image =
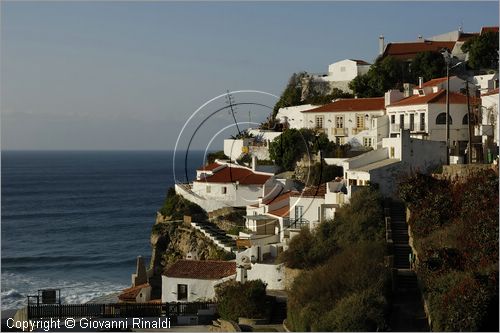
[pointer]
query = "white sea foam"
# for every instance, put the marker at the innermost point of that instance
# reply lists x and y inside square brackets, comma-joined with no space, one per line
[16,288]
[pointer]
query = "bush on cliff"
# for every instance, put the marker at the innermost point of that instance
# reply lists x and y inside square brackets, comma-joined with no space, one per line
[346,284]
[360,220]
[455,231]
[235,299]
[175,207]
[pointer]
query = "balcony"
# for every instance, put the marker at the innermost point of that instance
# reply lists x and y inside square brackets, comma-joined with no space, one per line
[339,131]
[357,130]
[320,129]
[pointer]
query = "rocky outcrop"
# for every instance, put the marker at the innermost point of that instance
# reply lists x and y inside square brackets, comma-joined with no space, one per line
[174,240]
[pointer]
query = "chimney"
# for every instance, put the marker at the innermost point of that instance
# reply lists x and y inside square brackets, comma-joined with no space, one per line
[381,45]
[254,163]
[420,82]
[408,89]
[420,38]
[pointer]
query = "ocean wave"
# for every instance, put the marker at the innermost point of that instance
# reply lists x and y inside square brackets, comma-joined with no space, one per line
[76,292]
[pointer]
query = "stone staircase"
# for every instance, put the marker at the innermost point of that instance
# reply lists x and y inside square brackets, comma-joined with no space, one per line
[408,313]
[216,235]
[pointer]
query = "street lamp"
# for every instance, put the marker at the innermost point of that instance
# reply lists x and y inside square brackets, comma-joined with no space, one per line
[448,60]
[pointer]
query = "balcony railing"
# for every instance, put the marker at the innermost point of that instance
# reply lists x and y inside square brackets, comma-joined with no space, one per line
[339,131]
[414,128]
[357,130]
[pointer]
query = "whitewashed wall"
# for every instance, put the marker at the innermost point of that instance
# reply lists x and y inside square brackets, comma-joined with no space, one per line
[198,289]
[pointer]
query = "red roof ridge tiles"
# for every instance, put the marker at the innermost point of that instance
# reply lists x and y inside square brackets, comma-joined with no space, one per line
[236,174]
[352,104]
[490,92]
[210,167]
[438,97]
[201,269]
[130,294]
[281,212]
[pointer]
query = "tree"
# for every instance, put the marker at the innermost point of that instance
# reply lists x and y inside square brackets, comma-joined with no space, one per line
[288,148]
[317,98]
[386,73]
[483,51]
[428,65]
[235,299]
[292,94]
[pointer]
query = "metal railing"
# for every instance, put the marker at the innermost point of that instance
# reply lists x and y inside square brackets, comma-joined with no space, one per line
[116,310]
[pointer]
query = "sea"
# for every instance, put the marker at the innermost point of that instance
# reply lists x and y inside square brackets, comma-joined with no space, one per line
[77,220]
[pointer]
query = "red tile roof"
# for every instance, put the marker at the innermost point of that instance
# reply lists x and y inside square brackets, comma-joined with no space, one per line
[130,294]
[435,98]
[312,191]
[233,174]
[209,167]
[282,212]
[280,197]
[352,104]
[433,82]
[201,269]
[489,29]
[491,92]
[409,50]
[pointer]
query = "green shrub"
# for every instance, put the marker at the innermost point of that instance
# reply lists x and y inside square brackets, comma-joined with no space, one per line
[216,155]
[235,299]
[355,276]
[175,207]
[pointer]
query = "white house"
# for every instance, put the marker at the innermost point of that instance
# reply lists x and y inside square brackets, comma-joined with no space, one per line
[424,113]
[360,122]
[292,115]
[224,184]
[339,75]
[397,157]
[317,204]
[488,129]
[256,146]
[195,280]
[486,83]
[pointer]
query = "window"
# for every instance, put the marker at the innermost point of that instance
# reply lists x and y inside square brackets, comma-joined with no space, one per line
[223,189]
[402,121]
[441,119]
[393,119]
[342,68]
[465,120]
[209,189]
[340,140]
[298,212]
[422,121]
[360,121]
[182,292]
[412,122]
[319,121]
[392,152]
[339,122]
[367,142]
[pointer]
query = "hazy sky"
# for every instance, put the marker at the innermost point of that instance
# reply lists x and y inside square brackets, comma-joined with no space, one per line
[110,75]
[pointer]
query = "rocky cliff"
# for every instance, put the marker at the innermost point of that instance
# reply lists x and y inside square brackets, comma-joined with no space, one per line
[174,240]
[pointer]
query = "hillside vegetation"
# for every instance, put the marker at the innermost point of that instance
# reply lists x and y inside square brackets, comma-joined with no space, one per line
[455,229]
[344,282]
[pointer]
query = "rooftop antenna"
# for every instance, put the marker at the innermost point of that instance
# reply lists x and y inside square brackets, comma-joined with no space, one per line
[461,26]
[230,101]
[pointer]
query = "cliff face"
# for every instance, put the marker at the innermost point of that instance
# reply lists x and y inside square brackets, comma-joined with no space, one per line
[173,240]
